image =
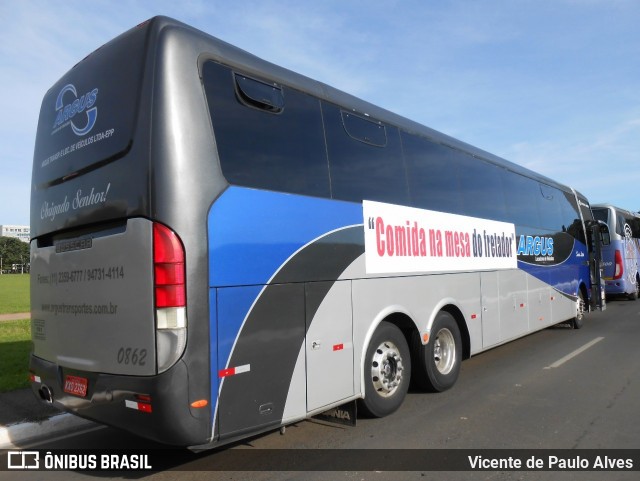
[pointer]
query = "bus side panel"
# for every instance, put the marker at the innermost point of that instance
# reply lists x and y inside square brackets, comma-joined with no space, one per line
[608,261]
[255,381]
[514,315]
[329,343]
[419,297]
[632,257]
[539,299]
[263,247]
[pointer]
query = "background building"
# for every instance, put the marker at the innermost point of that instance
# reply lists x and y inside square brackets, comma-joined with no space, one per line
[22,232]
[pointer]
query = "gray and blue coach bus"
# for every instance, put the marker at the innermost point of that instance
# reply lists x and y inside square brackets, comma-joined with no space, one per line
[621,257]
[222,247]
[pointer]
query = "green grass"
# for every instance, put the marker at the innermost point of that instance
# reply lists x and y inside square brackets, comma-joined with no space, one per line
[15,336]
[14,293]
[15,345]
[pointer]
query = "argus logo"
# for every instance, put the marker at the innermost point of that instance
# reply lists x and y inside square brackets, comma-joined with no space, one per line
[78,105]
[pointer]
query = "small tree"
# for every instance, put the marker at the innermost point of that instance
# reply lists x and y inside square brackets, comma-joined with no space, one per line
[13,251]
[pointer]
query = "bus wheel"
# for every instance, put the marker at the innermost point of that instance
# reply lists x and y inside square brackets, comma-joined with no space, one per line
[439,361]
[581,305]
[387,371]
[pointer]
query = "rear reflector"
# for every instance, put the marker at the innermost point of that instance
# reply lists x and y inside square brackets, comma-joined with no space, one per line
[138,406]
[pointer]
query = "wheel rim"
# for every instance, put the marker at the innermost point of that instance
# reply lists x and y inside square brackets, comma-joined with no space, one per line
[386,369]
[444,351]
[580,308]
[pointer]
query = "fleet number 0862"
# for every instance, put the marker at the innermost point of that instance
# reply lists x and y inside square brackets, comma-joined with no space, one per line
[132,356]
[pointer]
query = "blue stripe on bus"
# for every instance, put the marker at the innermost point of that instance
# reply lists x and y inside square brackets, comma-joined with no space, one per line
[279,223]
[562,277]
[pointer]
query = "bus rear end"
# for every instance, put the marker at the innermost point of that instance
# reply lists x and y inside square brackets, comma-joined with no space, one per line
[621,258]
[108,278]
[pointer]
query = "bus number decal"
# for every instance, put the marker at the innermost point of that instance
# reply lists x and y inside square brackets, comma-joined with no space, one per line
[132,356]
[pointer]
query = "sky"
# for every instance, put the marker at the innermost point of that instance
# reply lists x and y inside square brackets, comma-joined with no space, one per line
[552,85]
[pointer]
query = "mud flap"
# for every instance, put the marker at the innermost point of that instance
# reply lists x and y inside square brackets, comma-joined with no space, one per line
[344,415]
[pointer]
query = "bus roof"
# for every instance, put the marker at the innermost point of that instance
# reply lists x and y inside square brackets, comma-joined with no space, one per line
[209,47]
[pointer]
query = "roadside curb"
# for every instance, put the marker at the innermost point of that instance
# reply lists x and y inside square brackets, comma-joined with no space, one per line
[14,435]
[19,316]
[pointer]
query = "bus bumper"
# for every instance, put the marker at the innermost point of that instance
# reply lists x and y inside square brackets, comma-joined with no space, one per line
[154,407]
[618,287]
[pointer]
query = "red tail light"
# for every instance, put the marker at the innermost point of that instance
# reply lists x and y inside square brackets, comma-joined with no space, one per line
[168,260]
[619,267]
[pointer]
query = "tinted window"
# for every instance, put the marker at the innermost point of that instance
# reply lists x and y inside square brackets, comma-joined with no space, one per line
[569,206]
[550,208]
[521,194]
[88,117]
[571,216]
[260,94]
[601,215]
[364,130]
[629,222]
[482,190]
[361,170]
[268,136]
[432,170]
[634,223]
[621,221]
[584,207]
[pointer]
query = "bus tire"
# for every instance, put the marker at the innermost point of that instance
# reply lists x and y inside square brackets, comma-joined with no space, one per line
[387,371]
[578,321]
[438,362]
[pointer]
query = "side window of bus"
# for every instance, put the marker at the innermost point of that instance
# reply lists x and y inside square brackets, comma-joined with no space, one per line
[365,158]
[432,170]
[550,207]
[620,223]
[482,188]
[571,216]
[520,193]
[601,215]
[631,222]
[634,223]
[268,136]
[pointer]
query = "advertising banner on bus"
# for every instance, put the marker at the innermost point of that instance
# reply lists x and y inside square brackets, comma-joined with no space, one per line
[405,239]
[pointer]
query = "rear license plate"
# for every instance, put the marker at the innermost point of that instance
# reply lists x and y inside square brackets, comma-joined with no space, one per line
[76,385]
